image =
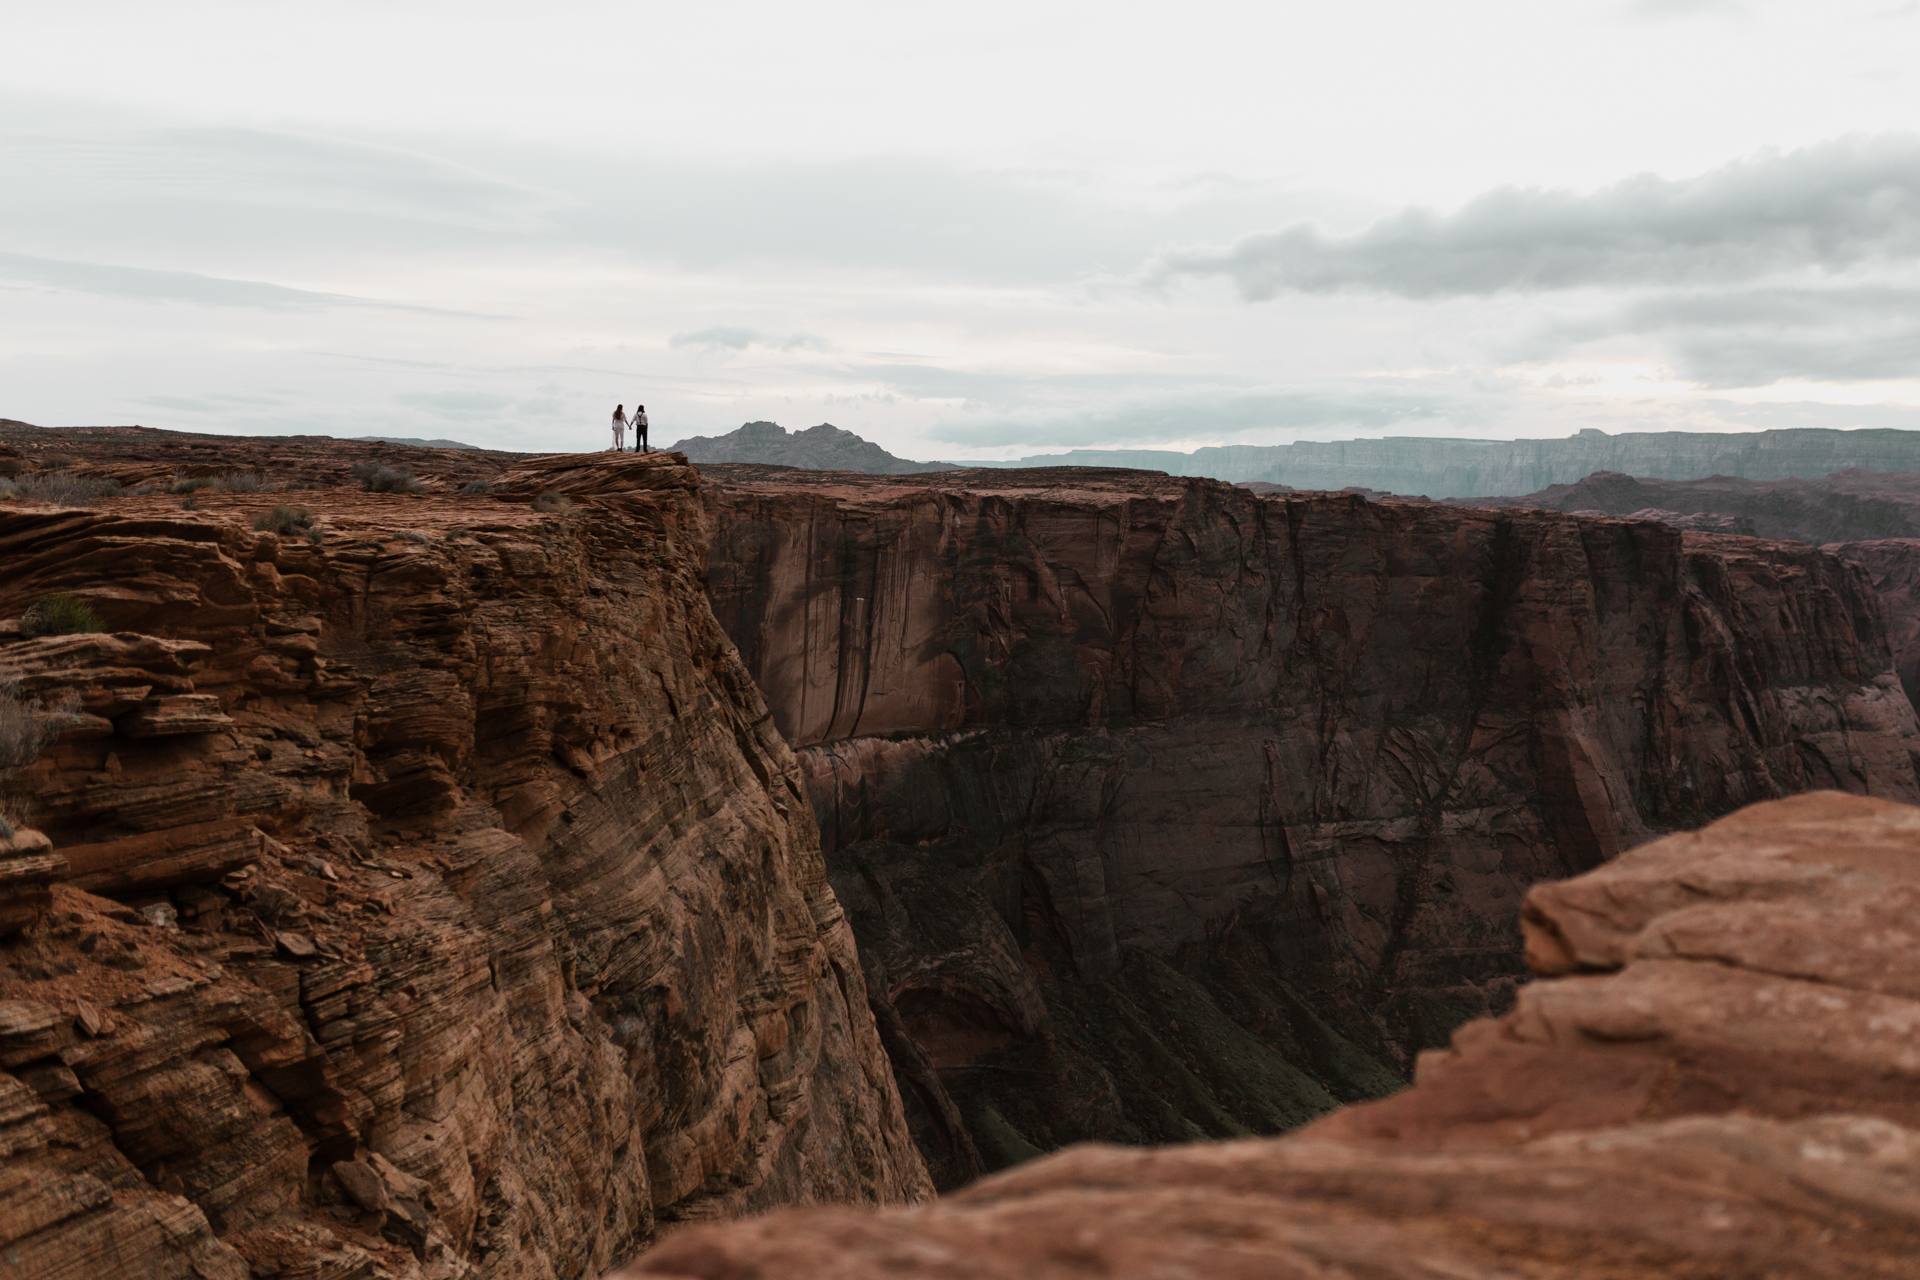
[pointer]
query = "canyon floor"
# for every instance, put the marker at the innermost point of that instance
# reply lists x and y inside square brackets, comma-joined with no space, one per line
[490,877]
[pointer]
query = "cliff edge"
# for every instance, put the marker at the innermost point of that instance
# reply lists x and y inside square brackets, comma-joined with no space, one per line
[428,894]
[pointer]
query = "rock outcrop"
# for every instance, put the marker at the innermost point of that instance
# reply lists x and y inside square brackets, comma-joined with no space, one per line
[430,895]
[1717,1077]
[822,448]
[1163,809]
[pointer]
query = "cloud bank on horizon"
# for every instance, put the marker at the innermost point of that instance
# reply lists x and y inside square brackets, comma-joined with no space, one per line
[1036,232]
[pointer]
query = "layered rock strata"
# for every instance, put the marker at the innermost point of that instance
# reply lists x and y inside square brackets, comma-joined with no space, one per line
[434,897]
[1164,809]
[1717,1077]
[137,456]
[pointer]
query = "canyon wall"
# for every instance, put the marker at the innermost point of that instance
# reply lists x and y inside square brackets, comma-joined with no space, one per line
[431,896]
[1849,506]
[1714,1076]
[1163,809]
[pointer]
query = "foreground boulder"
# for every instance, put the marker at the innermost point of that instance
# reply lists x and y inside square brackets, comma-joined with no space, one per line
[1718,1074]
[424,892]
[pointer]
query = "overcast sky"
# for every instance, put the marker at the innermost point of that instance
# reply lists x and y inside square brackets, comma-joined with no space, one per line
[961,232]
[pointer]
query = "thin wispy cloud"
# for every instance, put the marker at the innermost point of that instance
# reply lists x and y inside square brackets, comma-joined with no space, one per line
[735,338]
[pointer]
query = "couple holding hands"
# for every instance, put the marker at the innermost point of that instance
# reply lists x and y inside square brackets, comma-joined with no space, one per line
[639,424]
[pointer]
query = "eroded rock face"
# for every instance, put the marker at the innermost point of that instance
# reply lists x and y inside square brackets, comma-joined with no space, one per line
[434,900]
[1718,1076]
[1165,809]
[1894,566]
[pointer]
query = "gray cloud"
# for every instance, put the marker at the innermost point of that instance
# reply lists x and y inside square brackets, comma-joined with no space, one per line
[1756,337]
[1211,413]
[735,338]
[148,285]
[1833,206]
[165,286]
[103,188]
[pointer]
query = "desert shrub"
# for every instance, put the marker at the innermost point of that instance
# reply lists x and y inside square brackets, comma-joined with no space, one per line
[26,729]
[283,518]
[472,487]
[238,482]
[377,477]
[63,488]
[7,491]
[414,535]
[316,535]
[59,615]
[143,490]
[191,502]
[189,484]
[552,501]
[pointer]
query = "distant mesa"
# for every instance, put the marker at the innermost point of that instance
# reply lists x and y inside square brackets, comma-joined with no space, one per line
[419,443]
[1444,468]
[1431,467]
[822,448]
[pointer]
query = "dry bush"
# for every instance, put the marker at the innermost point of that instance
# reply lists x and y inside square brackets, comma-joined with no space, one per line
[376,477]
[414,535]
[238,482]
[59,615]
[63,488]
[283,519]
[552,501]
[189,484]
[472,487]
[27,728]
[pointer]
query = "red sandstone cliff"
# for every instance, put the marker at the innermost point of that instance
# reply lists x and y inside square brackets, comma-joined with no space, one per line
[1141,789]
[1718,1077]
[435,900]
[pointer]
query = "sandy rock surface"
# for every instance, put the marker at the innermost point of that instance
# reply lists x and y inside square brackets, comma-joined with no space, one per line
[430,898]
[1717,1074]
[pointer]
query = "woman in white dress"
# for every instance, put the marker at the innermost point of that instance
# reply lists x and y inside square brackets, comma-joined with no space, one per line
[620,426]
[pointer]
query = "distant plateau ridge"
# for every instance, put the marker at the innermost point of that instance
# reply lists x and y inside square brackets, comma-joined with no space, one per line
[1435,468]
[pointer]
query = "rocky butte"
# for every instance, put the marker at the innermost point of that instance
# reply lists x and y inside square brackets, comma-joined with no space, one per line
[429,895]
[1164,809]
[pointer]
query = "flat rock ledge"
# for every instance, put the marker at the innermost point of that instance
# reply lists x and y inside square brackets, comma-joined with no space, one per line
[1717,1074]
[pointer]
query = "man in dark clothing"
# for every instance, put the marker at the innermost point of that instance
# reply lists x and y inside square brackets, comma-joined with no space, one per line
[640,429]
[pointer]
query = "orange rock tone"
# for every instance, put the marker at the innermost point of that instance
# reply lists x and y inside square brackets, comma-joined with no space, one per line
[431,899]
[1718,1076]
